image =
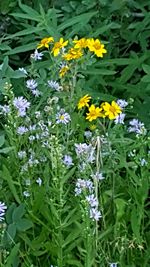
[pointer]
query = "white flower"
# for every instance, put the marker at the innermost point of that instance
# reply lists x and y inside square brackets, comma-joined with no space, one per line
[23,70]
[26,193]
[39,181]
[37,55]
[3,207]
[143,162]
[22,154]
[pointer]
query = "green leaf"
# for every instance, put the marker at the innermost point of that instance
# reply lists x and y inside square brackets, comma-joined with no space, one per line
[120,206]
[23,225]
[99,72]
[6,150]
[9,213]
[135,223]
[22,48]
[11,232]
[146,79]
[30,30]
[2,140]
[78,19]
[7,177]
[12,256]
[3,67]
[28,10]
[146,68]
[18,212]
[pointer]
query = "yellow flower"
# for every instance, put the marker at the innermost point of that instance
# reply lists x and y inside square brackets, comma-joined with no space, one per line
[73,54]
[83,102]
[81,43]
[96,47]
[63,71]
[112,111]
[58,45]
[45,42]
[94,113]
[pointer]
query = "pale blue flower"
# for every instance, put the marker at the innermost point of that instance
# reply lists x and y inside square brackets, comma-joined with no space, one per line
[3,207]
[62,117]
[120,119]
[22,130]
[39,181]
[21,104]
[68,160]
[22,154]
[54,85]
[31,84]
[95,214]
[37,55]
[122,103]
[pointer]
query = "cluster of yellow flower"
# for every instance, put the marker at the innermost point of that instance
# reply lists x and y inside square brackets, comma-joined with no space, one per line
[105,110]
[74,52]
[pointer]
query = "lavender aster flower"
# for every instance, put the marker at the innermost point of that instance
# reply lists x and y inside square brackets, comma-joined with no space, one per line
[122,103]
[22,130]
[22,154]
[98,176]
[31,84]
[21,104]
[92,200]
[68,160]
[37,55]
[3,207]
[62,117]
[54,85]
[5,109]
[95,214]
[113,264]
[120,119]
[143,162]
[137,127]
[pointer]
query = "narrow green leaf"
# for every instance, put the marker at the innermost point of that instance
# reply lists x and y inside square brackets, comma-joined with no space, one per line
[77,19]
[99,72]
[22,48]
[6,176]
[2,140]
[30,30]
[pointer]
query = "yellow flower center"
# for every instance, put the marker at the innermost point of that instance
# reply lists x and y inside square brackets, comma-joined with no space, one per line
[112,109]
[62,117]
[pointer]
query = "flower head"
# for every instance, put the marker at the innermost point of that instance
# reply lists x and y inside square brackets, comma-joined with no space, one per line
[94,113]
[81,43]
[63,70]
[137,127]
[120,118]
[111,110]
[122,103]
[3,207]
[62,117]
[73,53]
[83,102]
[54,85]
[67,160]
[58,45]
[31,84]
[21,104]
[45,42]
[95,214]
[37,55]
[96,47]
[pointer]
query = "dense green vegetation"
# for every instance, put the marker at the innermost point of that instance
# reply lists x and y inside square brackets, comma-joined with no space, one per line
[75,133]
